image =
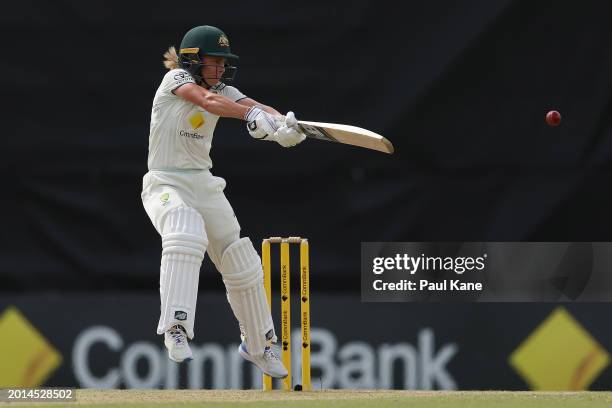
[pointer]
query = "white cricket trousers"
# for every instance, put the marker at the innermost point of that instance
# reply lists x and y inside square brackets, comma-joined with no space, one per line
[192,215]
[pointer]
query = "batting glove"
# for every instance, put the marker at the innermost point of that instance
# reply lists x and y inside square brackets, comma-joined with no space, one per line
[260,124]
[289,134]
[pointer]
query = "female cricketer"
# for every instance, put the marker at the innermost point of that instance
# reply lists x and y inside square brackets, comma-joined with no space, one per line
[186,204]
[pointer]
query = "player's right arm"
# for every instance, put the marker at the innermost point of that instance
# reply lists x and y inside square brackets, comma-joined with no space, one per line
[211,102]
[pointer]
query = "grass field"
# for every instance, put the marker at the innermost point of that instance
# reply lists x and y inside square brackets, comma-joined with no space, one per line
[332,399]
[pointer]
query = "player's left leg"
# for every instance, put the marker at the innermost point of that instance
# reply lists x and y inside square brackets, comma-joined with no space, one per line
[184,242]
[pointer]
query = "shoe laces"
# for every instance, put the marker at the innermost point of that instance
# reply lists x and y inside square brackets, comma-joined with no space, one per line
[178,334]
[270,353]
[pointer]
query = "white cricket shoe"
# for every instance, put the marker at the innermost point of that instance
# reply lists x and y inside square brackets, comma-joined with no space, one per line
[269,362]
[175,340]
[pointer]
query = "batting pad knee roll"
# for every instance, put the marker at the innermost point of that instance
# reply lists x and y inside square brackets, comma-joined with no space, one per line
[184,243]
[243,278]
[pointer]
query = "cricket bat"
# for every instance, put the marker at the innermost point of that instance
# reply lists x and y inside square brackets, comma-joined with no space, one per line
[351,135]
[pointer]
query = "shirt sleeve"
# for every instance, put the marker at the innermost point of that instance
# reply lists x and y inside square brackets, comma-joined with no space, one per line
[174,79]
[232,93]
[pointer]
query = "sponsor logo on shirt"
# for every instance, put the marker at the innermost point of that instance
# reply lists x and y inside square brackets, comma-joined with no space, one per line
[191,135]
[182,77]
[196,120]
[164,198]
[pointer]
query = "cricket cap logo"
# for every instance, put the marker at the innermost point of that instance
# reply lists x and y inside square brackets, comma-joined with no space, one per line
[223,41]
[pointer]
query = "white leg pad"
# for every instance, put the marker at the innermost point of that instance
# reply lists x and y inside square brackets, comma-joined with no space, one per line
[184,243]
[243,278]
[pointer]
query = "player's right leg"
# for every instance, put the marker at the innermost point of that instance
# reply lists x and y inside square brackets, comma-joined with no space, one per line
[243,277]
[184,243]
[240,266]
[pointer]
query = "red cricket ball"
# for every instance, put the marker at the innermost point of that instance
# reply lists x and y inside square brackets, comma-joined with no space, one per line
[553,118]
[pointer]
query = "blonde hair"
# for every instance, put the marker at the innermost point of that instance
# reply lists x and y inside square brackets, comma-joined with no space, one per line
[171,60]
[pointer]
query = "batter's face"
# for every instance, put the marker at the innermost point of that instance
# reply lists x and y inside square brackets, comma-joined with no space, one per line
[213,69]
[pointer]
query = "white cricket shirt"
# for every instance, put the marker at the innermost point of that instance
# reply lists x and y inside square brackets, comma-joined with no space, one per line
[181,133]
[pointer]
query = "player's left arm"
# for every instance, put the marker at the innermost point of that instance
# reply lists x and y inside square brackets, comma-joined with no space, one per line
[251,102]
[288,134]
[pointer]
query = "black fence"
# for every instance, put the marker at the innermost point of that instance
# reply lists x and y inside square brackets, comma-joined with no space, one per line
[460,89]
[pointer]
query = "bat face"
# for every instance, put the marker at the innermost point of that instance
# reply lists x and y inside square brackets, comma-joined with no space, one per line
[346,134]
